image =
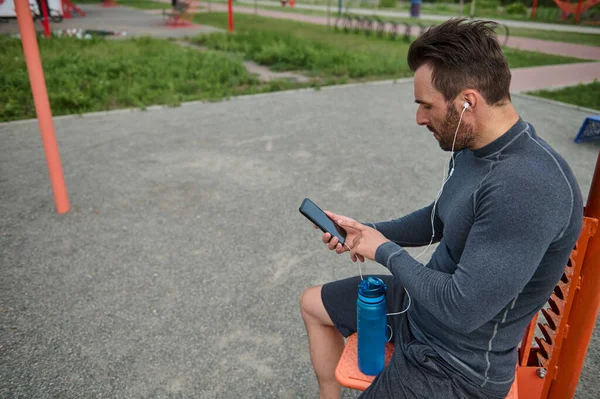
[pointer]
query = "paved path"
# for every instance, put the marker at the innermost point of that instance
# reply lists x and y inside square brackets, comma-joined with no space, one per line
[122,19]
[551,47]
[553,76]
[405,14]
[174,275]
[177,273]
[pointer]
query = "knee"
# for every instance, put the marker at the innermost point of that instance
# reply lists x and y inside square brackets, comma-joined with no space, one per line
[309,302]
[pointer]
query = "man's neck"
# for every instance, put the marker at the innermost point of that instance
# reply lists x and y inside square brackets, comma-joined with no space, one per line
[497,121]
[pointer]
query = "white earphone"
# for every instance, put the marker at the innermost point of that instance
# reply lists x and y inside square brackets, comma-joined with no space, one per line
[432,216]
[466,105]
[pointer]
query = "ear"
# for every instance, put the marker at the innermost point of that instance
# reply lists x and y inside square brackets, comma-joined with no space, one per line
[470,97]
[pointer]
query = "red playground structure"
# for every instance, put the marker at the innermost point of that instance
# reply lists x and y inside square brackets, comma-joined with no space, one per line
[569,8]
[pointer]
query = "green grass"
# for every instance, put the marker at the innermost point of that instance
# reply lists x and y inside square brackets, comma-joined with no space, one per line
[284,52]
[584,95]
[435,8]
[285,44]
[333,13]
[543,14]
[589,39]
[142,4]
[523,59]
[98,74]
[95,75]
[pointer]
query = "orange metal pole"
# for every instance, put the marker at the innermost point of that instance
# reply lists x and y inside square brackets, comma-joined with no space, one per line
[230,11]
[585,308]
[42,105]
[533,9]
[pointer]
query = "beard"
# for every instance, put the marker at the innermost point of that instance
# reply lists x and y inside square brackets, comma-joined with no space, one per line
[445,134]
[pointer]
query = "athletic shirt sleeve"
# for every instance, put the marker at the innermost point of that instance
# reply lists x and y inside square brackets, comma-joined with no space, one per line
[412,230]
[517,217]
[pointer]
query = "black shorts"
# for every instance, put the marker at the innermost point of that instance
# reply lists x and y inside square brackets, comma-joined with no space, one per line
[416,370]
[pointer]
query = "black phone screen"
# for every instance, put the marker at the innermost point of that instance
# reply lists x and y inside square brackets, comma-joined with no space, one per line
[321,220]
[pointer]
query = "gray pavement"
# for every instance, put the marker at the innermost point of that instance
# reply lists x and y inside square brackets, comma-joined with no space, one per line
[177,273]
[133,21]
[406,14]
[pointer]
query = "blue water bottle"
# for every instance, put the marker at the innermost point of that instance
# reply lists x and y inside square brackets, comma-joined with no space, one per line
[371,325]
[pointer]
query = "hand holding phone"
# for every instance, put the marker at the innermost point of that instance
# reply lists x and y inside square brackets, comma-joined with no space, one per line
[334,236]
[364,240]
[320,219]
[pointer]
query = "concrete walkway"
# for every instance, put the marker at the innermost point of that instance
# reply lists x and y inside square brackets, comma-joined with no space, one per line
[133,21]
[559,48]
[178,271]
[405,14]
[553,76]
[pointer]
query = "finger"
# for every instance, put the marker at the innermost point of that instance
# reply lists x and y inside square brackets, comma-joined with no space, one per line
[350,224]
[355,247]
[315,226]
[340,249]
[353,258]
[333,243]
[361,258]
[332,215]
[326,237]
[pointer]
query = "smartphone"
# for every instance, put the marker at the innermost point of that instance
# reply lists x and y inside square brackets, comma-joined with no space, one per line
[321,220]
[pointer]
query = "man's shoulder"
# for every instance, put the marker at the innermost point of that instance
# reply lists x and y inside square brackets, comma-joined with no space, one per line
[532,160]
[533,171]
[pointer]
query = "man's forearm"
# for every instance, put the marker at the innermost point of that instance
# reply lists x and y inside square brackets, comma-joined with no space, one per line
[412,230]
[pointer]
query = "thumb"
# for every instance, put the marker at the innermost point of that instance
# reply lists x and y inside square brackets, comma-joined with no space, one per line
[332,215]
[350,224]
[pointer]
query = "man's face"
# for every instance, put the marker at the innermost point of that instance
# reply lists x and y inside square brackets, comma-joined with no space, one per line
[440,117]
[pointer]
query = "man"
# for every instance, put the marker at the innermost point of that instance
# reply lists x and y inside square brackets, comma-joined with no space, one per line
[506,221]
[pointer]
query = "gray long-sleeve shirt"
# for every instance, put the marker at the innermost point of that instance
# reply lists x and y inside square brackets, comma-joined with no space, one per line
[506,223]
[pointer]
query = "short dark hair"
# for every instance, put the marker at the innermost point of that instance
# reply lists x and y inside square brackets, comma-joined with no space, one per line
[463,55]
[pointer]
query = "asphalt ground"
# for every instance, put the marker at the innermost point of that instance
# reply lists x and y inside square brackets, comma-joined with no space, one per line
[177,272]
